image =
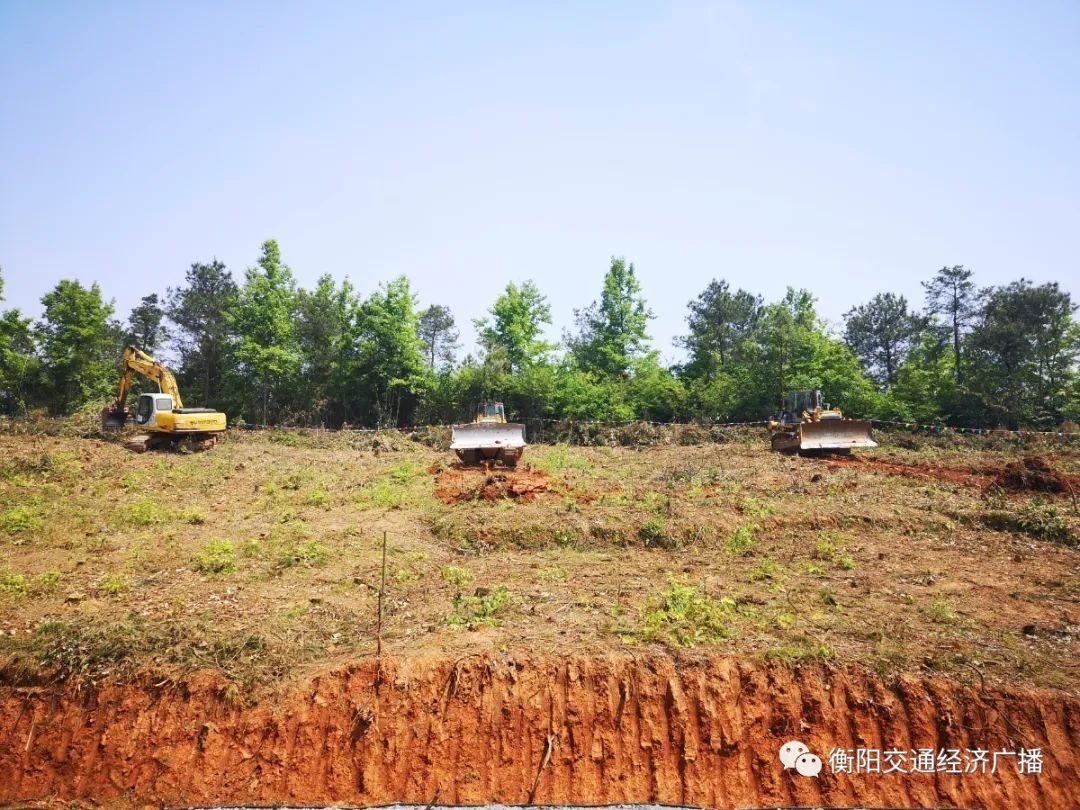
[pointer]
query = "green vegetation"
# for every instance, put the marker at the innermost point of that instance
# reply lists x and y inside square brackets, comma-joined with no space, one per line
[1036,518]
[113,584]
[741,541]
[942,611]
[268,351]
[216,557]
[479,610]
[301,552]
[456,576]
[682,615]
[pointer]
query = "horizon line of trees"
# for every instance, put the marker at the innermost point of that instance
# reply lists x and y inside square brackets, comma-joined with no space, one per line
[266,350]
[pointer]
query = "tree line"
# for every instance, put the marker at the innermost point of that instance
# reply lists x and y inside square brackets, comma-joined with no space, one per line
[267,351]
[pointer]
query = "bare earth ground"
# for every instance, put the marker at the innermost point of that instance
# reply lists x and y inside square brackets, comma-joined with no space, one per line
[602,625]
[262,558]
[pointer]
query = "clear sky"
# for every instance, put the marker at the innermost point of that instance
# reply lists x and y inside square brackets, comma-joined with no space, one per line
[851,148]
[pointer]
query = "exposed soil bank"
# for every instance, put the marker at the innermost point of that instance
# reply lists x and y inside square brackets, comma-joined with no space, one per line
[550,730]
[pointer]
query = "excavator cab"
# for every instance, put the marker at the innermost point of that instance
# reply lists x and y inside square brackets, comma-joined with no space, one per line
[150,405]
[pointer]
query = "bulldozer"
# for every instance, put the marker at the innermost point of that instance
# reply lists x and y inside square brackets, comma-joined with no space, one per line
[809,426]
[489,437]
[163,414]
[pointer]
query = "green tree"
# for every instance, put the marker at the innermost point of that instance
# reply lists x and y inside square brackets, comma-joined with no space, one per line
[145,327]
[881,333]
[612,332]
[1024,349]
[323,319]
[266,350]
[511,334]
[200,309]
[440,336]
[721,324]
[385,374]
[953,295]
[20,369]
[79,346]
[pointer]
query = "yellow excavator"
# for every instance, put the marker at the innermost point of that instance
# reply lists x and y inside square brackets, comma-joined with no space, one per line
[809,426]
[163,414]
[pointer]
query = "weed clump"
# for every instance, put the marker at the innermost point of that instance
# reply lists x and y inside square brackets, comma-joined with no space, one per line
[479,610]
[457,576]
[1037,519]
[685,616]
[216,557]
[741,541]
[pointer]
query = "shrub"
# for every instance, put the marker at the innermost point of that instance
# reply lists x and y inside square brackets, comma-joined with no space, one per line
[309,552]
[653,533]
[216,557]
[13,584]
[479,610]
[113,584]
[1037,519]
[741,541]
[457,576]
[20,519]
[681,614]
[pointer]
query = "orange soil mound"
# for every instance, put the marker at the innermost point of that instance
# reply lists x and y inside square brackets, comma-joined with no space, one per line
[460,484]
[546,730]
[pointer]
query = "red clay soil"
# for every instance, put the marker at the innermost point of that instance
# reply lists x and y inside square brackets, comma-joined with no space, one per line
[575,730]
[1033,473]
[460,484]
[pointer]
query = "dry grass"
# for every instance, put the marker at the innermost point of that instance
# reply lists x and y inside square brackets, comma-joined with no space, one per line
[262,558]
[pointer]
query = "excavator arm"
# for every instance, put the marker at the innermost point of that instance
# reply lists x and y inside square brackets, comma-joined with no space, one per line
[139,362]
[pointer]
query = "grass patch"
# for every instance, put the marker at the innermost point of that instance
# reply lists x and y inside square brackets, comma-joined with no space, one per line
[479,610]
[13,584]
[457,576]
[1037,519]
[215,557]
[557,459]
[653,534]
[20,520]
[943,611]
[301,552]
[113,584]
[553,573]
[741,541]
[683,615]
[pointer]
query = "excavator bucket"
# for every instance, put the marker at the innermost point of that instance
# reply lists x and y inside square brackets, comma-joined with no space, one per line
[835,434]
[113,418]
[488,441]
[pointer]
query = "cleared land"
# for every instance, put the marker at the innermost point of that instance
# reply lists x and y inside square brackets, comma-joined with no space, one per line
[262,558]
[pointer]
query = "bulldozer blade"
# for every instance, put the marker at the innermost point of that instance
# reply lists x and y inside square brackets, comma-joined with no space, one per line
[835,434]
[493,441]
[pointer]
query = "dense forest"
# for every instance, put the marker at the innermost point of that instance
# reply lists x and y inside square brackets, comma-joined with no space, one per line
[269,352]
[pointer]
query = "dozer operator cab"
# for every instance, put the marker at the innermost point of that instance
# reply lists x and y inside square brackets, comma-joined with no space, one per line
[799,402]
[490,412]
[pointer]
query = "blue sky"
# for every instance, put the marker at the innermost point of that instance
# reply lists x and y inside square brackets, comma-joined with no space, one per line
[851,148]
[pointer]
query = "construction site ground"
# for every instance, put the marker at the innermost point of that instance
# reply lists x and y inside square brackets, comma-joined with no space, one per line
[725,597]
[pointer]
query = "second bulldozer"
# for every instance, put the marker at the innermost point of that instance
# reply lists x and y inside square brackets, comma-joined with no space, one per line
[808,426]
[489,437]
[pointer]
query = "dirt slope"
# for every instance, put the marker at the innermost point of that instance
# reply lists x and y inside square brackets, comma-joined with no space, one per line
[704,731]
